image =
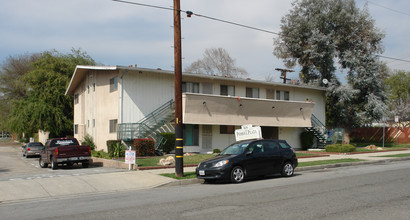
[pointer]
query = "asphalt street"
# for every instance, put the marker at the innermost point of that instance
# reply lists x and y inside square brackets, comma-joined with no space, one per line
[379,191]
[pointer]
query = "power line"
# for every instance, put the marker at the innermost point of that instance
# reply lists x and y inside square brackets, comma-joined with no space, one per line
[392,58]
[397,11]
[190,13]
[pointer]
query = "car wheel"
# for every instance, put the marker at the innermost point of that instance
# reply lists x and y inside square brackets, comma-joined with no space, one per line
[54,165]
[42,164]
[85,164]
[287,169]
[237,174]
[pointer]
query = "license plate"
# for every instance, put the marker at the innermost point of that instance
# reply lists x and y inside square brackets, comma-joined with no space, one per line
[202,172]
[73,158]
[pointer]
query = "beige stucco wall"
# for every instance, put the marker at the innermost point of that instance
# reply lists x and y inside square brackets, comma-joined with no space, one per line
[140,92]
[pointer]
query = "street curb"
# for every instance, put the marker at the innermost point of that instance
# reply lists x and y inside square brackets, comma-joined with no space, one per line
[298,169]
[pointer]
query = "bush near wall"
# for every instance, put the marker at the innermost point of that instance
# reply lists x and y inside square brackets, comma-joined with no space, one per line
[170,144]
[340,148]
[144,147]
[111,146]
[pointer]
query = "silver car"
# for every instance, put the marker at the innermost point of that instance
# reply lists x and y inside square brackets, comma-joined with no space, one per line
[32,149]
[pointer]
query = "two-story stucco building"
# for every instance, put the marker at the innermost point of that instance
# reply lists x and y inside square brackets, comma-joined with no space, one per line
[124,103]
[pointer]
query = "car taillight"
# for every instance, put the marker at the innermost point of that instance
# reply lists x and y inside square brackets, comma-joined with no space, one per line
[28,149]
[89,149]
[56,152]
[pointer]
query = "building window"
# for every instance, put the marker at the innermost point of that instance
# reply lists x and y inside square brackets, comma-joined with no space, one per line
[282,95]
[88,89]
[76,99]
[114,84]
[252,92]
[227,90]
[93,123]
[286,96]
[191,87]
[113,125]
[227,129]
[88,123]
[93,87]
[75,129]
[191,135]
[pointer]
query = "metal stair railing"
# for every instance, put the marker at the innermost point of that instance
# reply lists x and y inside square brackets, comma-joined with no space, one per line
[148,126]
[319,130]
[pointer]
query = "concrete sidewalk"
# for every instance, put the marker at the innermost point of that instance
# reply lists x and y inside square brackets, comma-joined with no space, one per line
[37,188]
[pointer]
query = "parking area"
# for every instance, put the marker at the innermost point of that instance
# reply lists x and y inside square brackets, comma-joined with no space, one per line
[13,166]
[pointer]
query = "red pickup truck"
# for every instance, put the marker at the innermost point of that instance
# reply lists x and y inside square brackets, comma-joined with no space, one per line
[64,151]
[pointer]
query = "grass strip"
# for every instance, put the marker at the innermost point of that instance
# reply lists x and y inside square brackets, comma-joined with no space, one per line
[192,159]
[187,175]
[396,155]
[325,162]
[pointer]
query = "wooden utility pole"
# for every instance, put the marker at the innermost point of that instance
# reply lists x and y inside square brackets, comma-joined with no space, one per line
[283,73]
[179,148]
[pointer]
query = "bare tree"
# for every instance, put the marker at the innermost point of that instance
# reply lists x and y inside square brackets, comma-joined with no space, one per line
[216,61]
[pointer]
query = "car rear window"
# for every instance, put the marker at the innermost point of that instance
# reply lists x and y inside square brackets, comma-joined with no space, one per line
[64,142]
[35,145]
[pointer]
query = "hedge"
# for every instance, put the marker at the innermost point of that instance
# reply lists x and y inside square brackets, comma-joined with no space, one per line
[144,147]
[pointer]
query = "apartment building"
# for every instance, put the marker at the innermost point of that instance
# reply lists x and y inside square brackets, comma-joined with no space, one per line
[124,103]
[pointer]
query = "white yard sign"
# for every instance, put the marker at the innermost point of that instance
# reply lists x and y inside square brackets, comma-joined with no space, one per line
[248,132]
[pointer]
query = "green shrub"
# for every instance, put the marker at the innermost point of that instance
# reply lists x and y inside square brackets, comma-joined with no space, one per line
[117,150]
[88,140]
[144,147]
[307,138]
[110,146]
[340,148]
[169,144]
[216,151]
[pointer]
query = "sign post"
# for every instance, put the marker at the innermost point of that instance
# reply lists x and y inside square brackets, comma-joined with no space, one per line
[130,157]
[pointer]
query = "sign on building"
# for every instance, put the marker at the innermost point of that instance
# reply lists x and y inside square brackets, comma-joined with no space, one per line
[248,132]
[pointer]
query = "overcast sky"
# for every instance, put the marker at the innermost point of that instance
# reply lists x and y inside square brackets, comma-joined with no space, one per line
[115,33]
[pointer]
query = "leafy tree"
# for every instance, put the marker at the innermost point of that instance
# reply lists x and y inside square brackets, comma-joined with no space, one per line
[322,36]
[46,107]
[216,61]
[398,92]
[12,87]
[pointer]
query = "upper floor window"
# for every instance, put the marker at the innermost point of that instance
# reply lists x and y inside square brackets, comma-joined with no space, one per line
[227,90]
[76,99]
[114,84]
[282,95]
[191,87]
[252,92]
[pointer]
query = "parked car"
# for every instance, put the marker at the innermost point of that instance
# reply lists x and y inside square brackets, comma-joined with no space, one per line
[249,158]
[32,149]
[64,151]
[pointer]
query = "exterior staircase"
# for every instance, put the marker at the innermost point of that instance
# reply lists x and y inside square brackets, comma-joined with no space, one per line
[151,126]
[320,131]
